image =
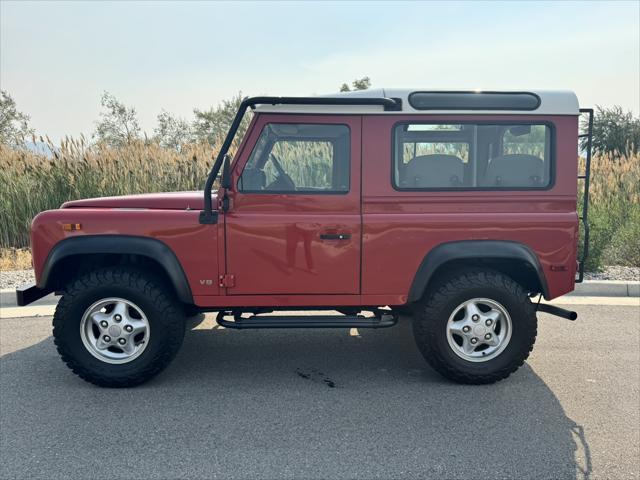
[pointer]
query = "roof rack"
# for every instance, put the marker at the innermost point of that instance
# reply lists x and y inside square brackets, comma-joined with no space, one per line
[208,216]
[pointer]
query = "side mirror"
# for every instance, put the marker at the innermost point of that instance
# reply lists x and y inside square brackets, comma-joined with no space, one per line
[225,181]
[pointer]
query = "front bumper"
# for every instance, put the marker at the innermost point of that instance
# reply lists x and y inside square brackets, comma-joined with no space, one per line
[29,293]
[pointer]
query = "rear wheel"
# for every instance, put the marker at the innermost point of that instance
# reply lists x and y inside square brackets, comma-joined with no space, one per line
[477,327]
[116,327]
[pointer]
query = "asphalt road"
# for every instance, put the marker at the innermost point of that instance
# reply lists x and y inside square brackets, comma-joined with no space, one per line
[329,404]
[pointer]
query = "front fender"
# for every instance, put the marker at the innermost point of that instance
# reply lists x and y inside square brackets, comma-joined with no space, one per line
[151,248]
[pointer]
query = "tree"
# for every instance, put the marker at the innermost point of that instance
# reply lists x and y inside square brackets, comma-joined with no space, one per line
[14,125]
[614,132]
[213,124]
[172,132]
[358,84]
[118,124]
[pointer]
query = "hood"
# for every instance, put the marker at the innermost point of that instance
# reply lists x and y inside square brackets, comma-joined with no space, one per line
[163,201]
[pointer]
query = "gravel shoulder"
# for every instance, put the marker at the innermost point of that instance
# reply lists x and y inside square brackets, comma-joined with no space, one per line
[614,272]
[15,278]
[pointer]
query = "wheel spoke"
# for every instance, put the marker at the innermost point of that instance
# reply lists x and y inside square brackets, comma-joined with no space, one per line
[456,328]
[472,309]
[98,317]
[101,344]
[493,315]
[122,310]
[467,347]
[138,326]
[128,347]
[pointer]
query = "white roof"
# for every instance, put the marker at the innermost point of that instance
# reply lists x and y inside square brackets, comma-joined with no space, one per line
[552,102]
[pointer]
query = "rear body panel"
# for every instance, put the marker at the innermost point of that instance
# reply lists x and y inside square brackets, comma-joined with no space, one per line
[401,227]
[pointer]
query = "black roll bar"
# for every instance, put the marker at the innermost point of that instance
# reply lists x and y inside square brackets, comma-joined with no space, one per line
[208,216]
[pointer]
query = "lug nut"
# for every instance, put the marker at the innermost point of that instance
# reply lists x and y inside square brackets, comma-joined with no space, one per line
[488,323]
[466,329]
[106,338]
[475,318]
[128,328]
[122,341]
[487,336]
[104,324]
[474,340]
[117,318]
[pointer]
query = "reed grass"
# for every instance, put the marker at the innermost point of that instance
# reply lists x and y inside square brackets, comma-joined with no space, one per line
[614,210]
[31,183]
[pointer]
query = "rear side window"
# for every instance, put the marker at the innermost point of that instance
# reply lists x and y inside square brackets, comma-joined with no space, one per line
[299,158]
[472,156]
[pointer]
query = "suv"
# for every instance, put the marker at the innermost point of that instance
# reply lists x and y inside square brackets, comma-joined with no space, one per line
[453,208]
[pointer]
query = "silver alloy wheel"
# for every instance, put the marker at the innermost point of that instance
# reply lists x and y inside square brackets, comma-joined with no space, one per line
[479,329]
[115,330]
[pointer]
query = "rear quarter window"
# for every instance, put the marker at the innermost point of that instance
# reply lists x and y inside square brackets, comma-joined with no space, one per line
[480,156]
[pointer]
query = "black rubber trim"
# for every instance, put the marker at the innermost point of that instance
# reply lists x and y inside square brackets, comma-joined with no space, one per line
[27,294]
[470,250]
[120,244]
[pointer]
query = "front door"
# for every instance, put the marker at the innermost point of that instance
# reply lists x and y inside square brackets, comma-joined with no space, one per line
[294,223]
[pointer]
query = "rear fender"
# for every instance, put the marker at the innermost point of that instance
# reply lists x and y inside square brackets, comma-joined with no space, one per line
[472,251]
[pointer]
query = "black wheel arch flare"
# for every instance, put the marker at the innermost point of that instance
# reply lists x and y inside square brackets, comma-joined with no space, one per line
[151,248]
[473,250]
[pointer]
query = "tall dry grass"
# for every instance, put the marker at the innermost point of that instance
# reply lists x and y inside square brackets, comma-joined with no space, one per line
[31,183]
[614,210]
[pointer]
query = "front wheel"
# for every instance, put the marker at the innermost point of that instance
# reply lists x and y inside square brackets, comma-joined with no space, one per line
[477,327]
[116,327]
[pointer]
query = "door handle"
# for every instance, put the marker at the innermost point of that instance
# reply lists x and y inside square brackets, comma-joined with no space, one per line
[335,236]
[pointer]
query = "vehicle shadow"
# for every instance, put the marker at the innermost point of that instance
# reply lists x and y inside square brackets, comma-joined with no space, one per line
[284,404]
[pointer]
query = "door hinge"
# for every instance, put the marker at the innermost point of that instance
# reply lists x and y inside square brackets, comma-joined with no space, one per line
[227,280]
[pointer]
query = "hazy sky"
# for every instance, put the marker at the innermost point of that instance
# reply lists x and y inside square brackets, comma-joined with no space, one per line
[56,58]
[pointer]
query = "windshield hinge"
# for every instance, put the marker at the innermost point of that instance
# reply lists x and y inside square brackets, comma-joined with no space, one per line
[224,203]
[208,218]
[227,280]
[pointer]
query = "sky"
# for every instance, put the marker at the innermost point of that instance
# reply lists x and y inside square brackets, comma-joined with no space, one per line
[56,58]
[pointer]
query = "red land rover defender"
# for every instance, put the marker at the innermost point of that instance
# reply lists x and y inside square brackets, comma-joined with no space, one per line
[456,208]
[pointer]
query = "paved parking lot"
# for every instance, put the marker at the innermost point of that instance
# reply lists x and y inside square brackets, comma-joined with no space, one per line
[328,404]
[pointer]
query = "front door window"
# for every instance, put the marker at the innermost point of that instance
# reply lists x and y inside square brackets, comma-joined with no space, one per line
[298,158]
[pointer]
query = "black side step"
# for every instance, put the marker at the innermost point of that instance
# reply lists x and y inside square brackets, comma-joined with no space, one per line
[383,319]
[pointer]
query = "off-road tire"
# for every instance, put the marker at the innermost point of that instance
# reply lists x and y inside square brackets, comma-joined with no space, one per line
[432,315]
[164,313]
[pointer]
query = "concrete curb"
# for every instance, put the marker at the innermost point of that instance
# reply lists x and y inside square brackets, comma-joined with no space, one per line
[607,288]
